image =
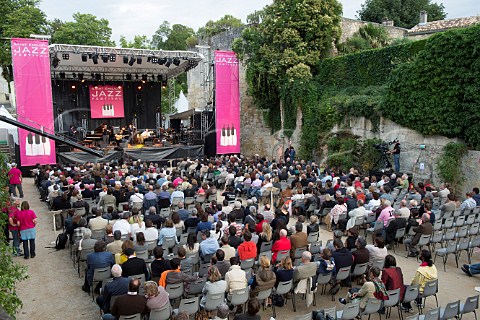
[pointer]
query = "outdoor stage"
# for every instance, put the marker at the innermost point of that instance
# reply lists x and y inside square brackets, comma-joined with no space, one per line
[154,154]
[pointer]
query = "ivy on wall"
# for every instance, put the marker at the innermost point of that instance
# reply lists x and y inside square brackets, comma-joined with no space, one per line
[449,164]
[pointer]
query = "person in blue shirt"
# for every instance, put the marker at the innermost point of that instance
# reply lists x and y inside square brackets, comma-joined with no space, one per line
[97,259]
[204,224]
[208,246]
[168,231]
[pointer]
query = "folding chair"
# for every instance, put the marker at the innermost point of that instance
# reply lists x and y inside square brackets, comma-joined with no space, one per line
[411,293]
[282,254]
[282,288]
[349,312]
[266,246]
[432,314]
[470,305]
[174,290]
[313,237]
[163,313]
[430,289]
[247,264]
[136,316]
[190,306]
[393,301]
[239,297]
[99,275]
[373,306]
[444,252]
[360,270]
[451,310]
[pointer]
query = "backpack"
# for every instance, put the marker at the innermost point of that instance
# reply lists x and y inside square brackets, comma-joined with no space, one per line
[61,241]
[278,300]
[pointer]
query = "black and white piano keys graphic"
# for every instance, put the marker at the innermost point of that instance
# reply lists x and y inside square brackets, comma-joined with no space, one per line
[36,145]
[108,110]
[229,136]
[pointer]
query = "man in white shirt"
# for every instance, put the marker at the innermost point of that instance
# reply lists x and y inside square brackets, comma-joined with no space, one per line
[122,224]
[404,211]
[150,233]
[136,197]
[177,194]
[98,223]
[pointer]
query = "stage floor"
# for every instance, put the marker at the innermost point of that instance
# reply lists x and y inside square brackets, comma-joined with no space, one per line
[154,154]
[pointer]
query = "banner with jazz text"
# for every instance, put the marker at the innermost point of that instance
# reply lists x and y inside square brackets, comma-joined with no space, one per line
[33,90]
[106,101]
[227,103]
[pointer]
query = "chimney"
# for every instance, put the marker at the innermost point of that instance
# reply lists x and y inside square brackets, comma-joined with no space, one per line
[387,22]
[423,18]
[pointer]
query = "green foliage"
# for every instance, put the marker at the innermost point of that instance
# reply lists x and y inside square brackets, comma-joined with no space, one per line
[369,36]
[342,151]
[139,42]
[227,22]
[86,29]
[11,272]
[172,37]
[369,155]
[437,93]
[449,164]
[404,13]
[282,48]
[19,18]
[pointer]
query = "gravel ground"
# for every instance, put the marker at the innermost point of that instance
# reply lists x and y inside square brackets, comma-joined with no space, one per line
[53,289]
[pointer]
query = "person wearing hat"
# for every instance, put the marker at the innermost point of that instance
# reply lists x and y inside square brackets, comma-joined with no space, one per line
[15,180]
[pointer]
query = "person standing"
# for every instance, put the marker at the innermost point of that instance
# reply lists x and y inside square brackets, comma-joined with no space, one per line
[27,221]
[13,227]
[396,155]
[15,180]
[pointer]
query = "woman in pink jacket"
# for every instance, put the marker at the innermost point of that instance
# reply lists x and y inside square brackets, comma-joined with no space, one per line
[27,221]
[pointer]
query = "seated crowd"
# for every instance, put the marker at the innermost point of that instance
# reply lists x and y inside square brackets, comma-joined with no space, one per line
[158,226]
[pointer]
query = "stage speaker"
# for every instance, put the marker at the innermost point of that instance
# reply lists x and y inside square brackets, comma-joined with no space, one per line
[175,124]
[211,144]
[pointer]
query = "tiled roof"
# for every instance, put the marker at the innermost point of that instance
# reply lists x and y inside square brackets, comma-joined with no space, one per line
[440,25]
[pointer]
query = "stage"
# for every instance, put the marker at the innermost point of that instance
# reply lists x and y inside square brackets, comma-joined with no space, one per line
[153,154]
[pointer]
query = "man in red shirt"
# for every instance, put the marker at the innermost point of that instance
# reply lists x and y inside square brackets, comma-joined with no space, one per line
[247,249]
[15,176]
[281,245]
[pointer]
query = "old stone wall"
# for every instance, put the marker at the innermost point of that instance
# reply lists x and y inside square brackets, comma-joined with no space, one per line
[413,159]
[350,26]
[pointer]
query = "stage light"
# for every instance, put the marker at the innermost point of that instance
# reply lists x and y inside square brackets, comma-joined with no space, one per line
[92,75]
[62,75]
[119,87]
[144,78]
[84,57]
[65,56]
[168,63]
[139,87]
[95,58]
[55,61]
[80,77]
[139,60]
[113,57]
[162,61]
[74,87]
[125,59]
[154,60]
[128,76]
[164,84]
[74,75]
[98,76]
[136,76]
[149,59]
[176,61]
[104,58]
[132,61]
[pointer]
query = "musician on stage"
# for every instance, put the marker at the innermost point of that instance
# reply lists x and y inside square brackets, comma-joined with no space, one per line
[105,134]
[72,132]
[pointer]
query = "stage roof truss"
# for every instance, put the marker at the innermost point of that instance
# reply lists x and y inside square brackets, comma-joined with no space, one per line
[140,61]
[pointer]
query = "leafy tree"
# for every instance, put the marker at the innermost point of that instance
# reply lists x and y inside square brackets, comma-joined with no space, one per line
[282,51]
[86,29]
[139,42]
[367,37]
[20,18]
[227,22]
[173,37]
[404,13]
[12,272]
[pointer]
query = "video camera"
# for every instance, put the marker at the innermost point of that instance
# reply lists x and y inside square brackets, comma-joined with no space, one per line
[383,147]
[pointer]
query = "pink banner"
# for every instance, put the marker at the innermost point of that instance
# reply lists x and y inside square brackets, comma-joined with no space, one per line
[227,104]
[33,90]
[106,101]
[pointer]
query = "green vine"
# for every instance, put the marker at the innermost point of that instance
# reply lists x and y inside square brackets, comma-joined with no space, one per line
[449,164]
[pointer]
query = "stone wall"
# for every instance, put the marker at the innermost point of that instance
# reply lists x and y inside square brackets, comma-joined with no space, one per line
[413,159]
[350,26]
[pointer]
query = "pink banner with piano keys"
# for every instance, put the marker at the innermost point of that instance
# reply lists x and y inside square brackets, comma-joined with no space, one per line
[106,101]
[227,102]
[33,91]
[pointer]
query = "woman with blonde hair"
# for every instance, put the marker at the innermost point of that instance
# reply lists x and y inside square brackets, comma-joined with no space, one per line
[284,270]
[156,296]
[313,226]
[264,279]
[214,285]
[264,236]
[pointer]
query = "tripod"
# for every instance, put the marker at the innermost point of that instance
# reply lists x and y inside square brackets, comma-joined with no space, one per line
[383,162]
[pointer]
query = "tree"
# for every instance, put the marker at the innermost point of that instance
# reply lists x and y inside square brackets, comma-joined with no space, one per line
[404,13]
[20,18]
[367,37]
[86,29]
[172,38]
[282,51]
[227,22]
[139,42]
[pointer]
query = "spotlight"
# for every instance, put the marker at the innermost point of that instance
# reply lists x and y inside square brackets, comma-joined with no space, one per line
[154,60]
[80,77]
[159,77]
[113,57]
[176,61]
[136,76]
[84,57]
[74,75]
[144,78]
[139,87]
[162,61]
[125,59]
[139,60]
[74,87]
[105,58]
[95,58]
[62,75]
[98,76]
[149,59]
[92,75]
[65,56]
[128,76]
[55,61]
[164,83]
[132,61]
[168,63]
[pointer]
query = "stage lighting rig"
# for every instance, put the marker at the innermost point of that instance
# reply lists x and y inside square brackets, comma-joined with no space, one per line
[84,57]
[95,58]
[55,61]
[132,61]
[65,56]
[176,61]
[113,57]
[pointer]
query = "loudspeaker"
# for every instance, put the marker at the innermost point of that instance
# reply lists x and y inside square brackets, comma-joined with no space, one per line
[211,144]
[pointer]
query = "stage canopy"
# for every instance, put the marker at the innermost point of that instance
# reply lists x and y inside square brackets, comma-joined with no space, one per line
[119,64]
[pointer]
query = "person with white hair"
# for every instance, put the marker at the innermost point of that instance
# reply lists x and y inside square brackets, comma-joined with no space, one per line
[425,228]
[306,269]
[281,245]
[404,211]
[117,287]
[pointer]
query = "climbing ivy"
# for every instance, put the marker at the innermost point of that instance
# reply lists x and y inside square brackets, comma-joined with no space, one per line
[449,164]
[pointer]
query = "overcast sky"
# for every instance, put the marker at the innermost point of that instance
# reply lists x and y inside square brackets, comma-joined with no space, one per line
[142,17]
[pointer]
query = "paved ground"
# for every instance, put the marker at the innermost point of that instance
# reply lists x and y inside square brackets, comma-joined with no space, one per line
[53,289]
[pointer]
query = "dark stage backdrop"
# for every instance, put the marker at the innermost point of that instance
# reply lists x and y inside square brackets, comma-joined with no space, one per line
[73,104]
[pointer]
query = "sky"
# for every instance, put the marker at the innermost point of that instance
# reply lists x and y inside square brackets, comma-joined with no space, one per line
[142,17]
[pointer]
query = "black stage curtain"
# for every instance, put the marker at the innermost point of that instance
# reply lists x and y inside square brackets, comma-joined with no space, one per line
[71,100]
